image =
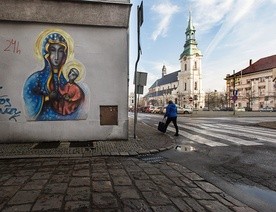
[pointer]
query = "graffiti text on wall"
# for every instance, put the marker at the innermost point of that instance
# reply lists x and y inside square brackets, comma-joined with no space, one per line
[6,107]
[12,46]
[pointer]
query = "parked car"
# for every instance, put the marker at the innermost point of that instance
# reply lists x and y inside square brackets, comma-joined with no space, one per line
[149,109]
[266,109]
[157,109]
[241,109]
[205,109]
[181,110]
[216,109]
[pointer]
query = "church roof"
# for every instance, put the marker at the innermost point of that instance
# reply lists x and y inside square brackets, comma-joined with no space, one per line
[169,78]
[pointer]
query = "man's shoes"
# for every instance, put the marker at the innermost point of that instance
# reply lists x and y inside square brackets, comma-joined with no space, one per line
[176,134]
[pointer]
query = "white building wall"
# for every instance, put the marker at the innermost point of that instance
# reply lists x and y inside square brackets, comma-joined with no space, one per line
[103,52]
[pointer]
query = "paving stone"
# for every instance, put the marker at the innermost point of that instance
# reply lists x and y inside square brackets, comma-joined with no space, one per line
[131,205]
[165,208]
[178,182]
[130,168]
[193,176]
[34,185]
[151,171]
[78,194]
[7,192]
[156,198]
[243,209]
[194,205]
[121,180]
[79,181]
[13,208]
[146,185]
[100,176]
[24,197]
[117,172]
[41,175]
[60,179]
[220,198]
[138,175]
[77,206]
[102,186]
[214,206]
[56,188]
[81,173]
[16,181]
[161,180]
[48,202]
[233,200]
[126,192]
[104,200]
[198,193]
[181,204]
[208,187]
[188,182]
[173,191]
[171,173]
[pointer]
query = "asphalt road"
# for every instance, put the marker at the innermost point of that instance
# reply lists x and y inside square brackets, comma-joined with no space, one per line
[232,152]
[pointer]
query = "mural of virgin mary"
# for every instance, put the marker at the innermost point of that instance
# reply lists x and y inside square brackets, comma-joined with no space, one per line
[41,91]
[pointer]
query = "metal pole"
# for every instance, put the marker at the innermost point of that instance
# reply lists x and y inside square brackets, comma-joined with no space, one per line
[234,98]
[139,24]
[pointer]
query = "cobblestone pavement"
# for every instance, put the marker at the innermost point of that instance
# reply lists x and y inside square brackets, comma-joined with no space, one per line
[108,176]
[107,184]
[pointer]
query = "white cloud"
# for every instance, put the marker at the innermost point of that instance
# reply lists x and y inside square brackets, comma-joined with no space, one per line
[236,12]
[164,12]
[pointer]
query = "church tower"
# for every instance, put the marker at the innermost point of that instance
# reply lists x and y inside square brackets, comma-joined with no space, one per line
[164,71]
[190,91]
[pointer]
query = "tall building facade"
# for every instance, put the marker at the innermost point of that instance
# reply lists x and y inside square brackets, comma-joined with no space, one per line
[184,86]
[254,86]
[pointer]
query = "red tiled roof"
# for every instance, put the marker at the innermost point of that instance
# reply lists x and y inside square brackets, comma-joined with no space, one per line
[262,64]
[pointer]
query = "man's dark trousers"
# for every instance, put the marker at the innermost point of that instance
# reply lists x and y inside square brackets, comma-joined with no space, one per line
[173,119]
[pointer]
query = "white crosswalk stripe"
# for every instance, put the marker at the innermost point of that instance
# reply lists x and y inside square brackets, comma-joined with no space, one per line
[235,140]
[221,131]
[241,131]
[197,138]
[258,131]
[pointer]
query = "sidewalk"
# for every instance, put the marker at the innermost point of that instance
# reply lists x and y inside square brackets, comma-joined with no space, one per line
[111,176]
[148,140]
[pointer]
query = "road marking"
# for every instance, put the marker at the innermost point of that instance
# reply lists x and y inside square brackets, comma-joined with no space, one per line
[197,138]
[247,133]
[235,140]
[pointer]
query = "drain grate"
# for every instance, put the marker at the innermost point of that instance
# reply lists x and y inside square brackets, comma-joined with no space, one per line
[152,158]
[47,145]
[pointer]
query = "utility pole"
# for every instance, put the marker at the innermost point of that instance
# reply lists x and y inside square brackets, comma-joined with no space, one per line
[139,24]
[234,92]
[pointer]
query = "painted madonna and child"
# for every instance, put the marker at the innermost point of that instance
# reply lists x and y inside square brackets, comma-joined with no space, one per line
[56,92]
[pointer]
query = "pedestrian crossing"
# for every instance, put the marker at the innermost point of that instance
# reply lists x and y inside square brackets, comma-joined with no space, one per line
[221,135]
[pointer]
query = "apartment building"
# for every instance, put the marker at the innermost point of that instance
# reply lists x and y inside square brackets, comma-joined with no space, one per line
[253,87]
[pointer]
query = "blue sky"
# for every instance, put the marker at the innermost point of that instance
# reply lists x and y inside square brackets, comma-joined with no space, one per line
[229,33]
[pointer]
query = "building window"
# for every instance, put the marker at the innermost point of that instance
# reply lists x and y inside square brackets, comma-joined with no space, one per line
[185,86]
[185,67]
[195,85]
[195,65]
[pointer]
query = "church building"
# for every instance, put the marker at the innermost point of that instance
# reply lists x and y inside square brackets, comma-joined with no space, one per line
[184,86]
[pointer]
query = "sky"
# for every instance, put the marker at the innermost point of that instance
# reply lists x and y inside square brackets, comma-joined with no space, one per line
[229,33]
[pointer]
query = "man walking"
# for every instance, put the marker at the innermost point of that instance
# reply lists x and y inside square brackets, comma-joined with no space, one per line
[171,114]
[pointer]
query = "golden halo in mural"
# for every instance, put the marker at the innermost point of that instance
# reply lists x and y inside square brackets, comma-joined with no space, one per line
[74,64]
[50,34]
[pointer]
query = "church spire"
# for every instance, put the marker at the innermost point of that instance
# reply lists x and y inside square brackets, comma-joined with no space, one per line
[164,71]
[190,47]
